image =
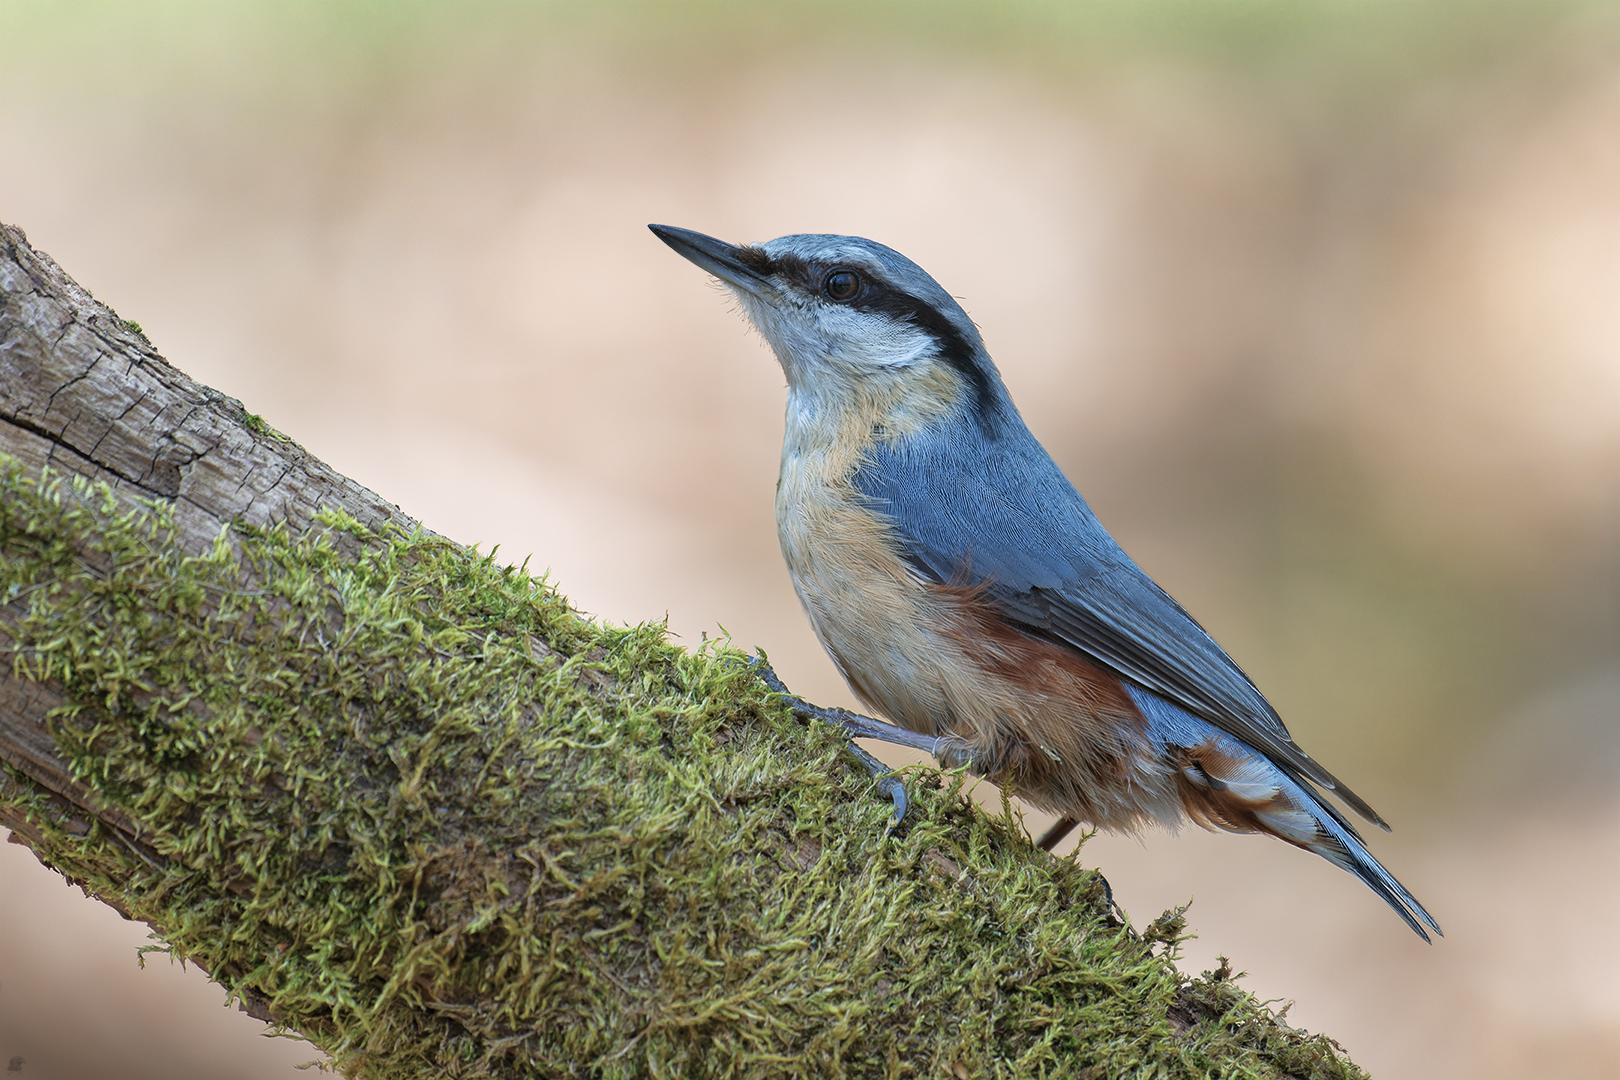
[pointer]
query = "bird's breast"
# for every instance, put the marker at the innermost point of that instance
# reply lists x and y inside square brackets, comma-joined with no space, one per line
[870,611]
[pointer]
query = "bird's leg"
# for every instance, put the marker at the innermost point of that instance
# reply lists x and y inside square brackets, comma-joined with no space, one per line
[864,727]
[854,725]
[1053,836]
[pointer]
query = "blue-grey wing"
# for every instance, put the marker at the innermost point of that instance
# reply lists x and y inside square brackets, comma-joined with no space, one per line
[999,513]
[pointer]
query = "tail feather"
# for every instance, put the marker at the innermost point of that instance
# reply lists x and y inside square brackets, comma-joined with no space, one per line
[1344,850]
[1224,783]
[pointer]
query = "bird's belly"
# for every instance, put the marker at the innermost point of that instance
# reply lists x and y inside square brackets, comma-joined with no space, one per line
[869,611]
[1031,715]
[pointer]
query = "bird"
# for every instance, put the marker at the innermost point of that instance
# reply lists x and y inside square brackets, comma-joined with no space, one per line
[967,592]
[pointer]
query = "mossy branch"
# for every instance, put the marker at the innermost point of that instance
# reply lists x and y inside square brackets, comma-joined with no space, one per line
[405,802]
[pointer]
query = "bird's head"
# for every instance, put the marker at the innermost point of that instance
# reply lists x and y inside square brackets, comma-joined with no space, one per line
[844,314]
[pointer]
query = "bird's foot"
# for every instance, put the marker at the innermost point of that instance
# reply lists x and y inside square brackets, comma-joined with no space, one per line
[853,725]
[887,783]
[1053,836]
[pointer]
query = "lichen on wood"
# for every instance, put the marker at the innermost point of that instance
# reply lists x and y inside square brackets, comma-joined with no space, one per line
[404,801]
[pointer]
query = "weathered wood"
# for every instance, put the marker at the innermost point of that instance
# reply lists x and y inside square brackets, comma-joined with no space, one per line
[85,392]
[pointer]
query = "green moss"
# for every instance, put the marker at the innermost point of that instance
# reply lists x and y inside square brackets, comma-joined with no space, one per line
[257,424]
[410,802]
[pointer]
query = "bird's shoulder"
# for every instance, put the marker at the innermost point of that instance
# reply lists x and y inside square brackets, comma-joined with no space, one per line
[996,509]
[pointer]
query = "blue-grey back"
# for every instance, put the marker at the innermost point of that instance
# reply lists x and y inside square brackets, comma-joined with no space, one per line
[982,508]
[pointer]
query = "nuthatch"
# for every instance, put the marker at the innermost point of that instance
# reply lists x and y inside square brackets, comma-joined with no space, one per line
[967,592]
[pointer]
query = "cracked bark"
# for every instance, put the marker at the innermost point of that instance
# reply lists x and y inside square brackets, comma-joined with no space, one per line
[85,393]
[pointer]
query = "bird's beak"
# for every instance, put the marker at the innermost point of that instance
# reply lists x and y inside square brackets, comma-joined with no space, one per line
[719,258]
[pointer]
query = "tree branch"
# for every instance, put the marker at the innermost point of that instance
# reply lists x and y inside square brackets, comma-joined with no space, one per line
[407,803]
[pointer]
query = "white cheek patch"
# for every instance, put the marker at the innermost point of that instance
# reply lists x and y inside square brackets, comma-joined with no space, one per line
[810,337]
[866,340]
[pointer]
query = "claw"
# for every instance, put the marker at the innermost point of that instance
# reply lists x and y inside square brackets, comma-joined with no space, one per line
[887,782]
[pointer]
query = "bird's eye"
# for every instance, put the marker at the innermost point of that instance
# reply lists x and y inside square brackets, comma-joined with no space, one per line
[842,285]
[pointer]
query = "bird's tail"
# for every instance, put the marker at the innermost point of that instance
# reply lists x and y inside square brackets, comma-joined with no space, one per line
[1340,846]
[1225,784]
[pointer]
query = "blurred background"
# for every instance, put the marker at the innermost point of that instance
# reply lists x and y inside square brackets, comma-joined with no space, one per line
[1318,304]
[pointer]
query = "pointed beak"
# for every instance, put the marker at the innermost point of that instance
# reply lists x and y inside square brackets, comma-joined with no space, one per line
[719,258]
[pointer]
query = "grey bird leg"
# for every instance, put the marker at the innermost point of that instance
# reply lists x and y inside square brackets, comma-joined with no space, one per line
[888,783]
[1053,836]
[854,725]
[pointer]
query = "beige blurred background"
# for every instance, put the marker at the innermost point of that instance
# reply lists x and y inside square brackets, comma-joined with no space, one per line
[1319,305]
